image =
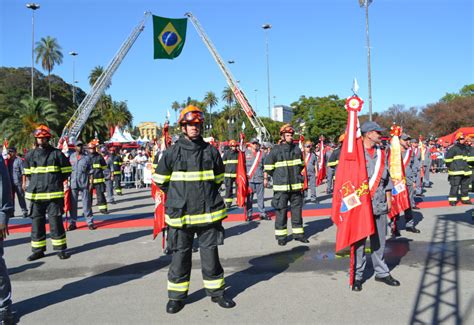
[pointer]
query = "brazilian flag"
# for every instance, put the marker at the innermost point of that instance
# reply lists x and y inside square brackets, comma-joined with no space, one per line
[168,36]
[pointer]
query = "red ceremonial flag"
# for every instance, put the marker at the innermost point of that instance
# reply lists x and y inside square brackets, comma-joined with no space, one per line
[321,163]
[303,156]
[241,180]
[400,200]
[5,152]
[158,195]
[351,201]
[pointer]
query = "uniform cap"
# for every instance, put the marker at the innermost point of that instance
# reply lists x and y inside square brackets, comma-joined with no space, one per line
[371,126]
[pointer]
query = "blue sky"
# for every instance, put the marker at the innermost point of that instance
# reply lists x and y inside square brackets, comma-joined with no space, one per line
[421,49]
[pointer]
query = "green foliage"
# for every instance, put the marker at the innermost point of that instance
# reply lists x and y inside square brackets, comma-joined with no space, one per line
[48,52]
[466,91]
[321,115]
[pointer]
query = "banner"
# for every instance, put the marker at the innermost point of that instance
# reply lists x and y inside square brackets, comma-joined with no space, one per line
[168,37]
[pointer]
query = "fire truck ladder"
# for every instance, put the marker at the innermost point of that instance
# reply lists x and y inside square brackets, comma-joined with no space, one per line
[74,126]
[256,122]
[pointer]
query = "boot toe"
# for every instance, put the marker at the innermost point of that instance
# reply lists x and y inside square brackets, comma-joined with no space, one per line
[174,306]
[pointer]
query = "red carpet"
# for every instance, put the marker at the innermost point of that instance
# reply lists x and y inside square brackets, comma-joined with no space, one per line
[148,223]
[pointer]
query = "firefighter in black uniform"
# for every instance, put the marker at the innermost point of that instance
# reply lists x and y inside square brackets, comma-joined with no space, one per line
[459,172]
[230,174]
[191,173]
[285,164]
[98,178]
[47,168]
[333,161]
[117,170]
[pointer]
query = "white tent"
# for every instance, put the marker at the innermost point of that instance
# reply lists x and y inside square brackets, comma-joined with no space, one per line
[145,139]
[118,136]
[128,136]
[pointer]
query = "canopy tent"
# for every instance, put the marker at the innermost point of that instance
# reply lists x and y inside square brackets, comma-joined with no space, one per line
[450,138]
[128,136]
[118,137]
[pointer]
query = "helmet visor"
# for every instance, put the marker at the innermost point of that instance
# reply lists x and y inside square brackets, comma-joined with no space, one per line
[196,117]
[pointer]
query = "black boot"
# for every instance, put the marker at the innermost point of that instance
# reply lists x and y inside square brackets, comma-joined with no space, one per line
[282,242]
[63,255]
[302,240]
[174,306]
[223,302]
[35,256]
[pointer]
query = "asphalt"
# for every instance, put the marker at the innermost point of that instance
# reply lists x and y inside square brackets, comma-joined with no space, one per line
[117,274]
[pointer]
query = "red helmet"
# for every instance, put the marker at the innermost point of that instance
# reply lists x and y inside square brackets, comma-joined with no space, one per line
[191,114]
[42,131]
[233,143]
[287,128]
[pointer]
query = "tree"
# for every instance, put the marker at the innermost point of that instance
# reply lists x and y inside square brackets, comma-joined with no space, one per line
[210,100]
[465,91]
[321,115]
[175,106]
[228,96]
[94,75]
[19,127]
[49,53]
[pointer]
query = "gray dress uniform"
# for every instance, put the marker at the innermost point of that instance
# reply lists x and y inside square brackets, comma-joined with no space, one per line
[417,170]
[16,174]
[109,183]
[311,172]
[255,183]
[427,167]
[380,211]
[81,170]
[6,211]
[410,174]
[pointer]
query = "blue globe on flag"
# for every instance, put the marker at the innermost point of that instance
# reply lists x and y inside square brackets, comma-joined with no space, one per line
[169,38]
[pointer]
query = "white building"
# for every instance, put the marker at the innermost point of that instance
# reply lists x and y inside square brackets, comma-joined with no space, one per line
[282,113]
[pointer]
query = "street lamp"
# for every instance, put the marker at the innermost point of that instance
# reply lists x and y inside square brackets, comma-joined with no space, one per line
[230,123]
[256,99]
[266,27]
[33,7]
[74,54]
[366,3]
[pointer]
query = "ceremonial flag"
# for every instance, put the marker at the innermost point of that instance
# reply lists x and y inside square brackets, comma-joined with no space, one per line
[305,171]
[400,201]
[168,36]
[5,150]
[352,206]
[321,163]
[241,180]
[158,195]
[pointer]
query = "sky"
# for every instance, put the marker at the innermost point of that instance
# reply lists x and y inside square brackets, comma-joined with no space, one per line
[420,49]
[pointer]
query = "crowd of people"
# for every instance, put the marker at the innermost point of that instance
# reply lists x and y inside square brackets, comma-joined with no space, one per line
[191,173]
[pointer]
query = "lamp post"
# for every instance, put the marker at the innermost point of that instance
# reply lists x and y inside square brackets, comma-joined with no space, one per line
[256,99]
[74,54]
[230,123]
[266,27]
[33,7]
[366,3]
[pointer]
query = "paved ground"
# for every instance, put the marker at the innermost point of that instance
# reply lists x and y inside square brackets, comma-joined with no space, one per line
[118,275]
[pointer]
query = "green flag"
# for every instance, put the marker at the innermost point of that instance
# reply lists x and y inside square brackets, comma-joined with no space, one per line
[168,36]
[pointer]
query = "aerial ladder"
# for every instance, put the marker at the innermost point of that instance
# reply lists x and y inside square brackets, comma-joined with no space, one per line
[256,122]
[75,124]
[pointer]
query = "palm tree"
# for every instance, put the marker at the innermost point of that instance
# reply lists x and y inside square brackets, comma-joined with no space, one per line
[95,74]
[228,96]
[18,128]
[175,106]
[210,100]
[49,53]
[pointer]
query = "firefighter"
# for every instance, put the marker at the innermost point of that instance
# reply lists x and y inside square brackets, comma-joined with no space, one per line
[81,184]
[333,161]
[116,172]
[230,161]
[459,172]
[191,172]
[254,159]
[418,164]
[381,205]
[285,165]
[47,168]
[311,162]
[98,178]
[410,166]
[15,168]
[108,174]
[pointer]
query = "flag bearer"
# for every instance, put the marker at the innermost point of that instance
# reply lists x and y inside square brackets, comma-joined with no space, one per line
[47,168]
[311,162]
[190,173]
[254,159]
[285,165]
[380,186]
[230,162]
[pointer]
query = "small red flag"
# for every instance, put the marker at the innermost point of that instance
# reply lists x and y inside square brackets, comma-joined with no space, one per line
[241,181]
[321,163]
[352,205]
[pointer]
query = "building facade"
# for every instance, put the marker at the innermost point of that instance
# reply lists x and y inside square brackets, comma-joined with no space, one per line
[282,113]
[148,130]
